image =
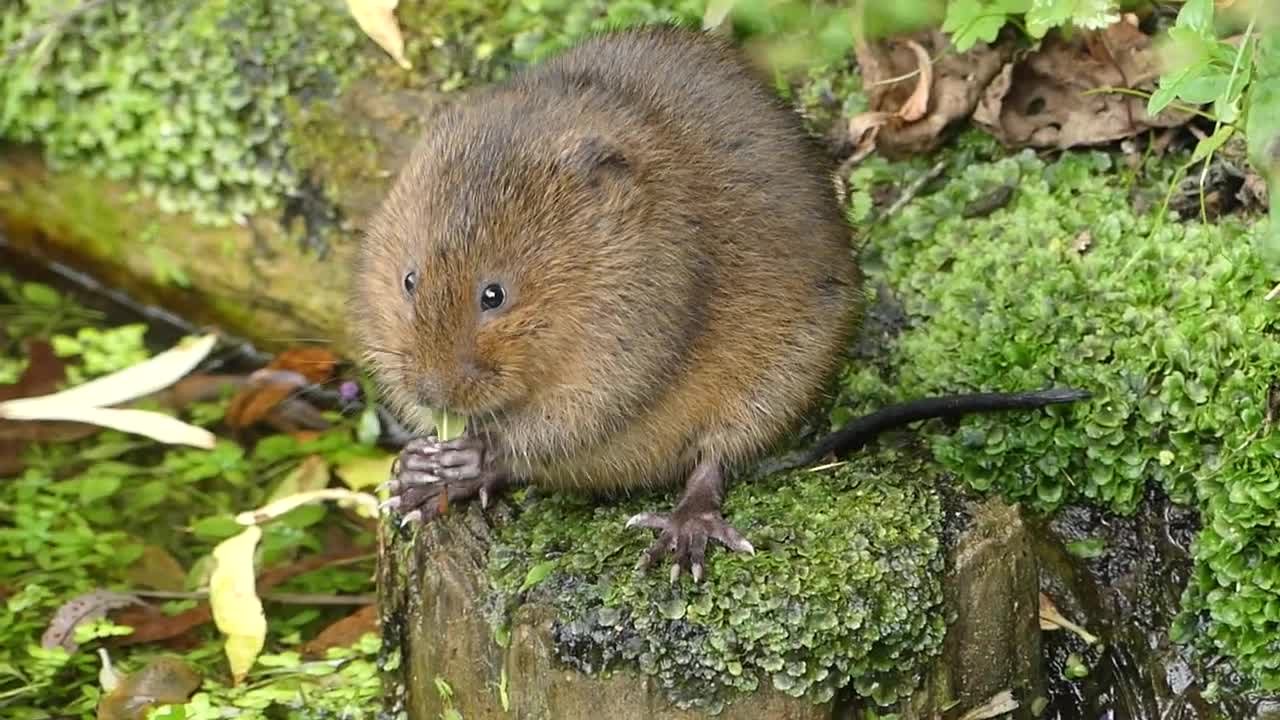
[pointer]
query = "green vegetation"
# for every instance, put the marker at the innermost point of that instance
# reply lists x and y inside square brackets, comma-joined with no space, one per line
[206,106]
[118,512]
[1163,321]
[185,99]
[844,588]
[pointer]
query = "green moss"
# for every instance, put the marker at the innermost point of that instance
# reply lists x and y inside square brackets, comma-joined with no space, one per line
[320,139]
[1164,321]
[844,589]
[183,99]
[457,43]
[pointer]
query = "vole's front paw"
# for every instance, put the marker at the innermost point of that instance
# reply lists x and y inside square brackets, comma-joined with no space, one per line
[684,534]
[429,474]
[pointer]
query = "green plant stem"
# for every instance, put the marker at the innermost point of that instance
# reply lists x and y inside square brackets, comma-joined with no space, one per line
[1193,110]
[1231,82]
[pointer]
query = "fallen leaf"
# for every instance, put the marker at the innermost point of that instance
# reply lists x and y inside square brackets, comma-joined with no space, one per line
[233,599]
[863,130]
[157,569]
[133,382]
[157,426]
[80,609]
[377,19]
[162,681]
[310,475]
[918,104]
[951,95]
[366,504]
[1051,97]
[344,632]
[197,387]
[151,625]
[316,364]
[268,394]
[997,705]
[43,374]
[86,403]
[1051,619]
[363,472]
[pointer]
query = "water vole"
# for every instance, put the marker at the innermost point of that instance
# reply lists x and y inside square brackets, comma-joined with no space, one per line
[627,267]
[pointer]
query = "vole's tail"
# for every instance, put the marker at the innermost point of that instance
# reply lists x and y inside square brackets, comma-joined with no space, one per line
[860,431]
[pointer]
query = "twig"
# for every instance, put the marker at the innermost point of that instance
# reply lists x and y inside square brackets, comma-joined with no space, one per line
[54,25]
[913,190]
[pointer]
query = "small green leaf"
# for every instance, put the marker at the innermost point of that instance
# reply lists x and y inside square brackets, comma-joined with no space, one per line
[1197,15]
[537,574]
[1211,144]
[448,426]
[1088,548]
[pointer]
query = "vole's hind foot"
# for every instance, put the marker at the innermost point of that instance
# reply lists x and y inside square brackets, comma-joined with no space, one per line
[685,537]
[428,475]
[695,519]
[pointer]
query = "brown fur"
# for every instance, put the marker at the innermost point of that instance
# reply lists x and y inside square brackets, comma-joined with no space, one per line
[680,282]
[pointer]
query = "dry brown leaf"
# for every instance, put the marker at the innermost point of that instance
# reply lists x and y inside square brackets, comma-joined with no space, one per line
[863,130]
[1048,98]
[162,681]
[44,373]
[953,90]
[344,632]
[82,608]
[918,104]
[157,569]
[268,394]
[378,20]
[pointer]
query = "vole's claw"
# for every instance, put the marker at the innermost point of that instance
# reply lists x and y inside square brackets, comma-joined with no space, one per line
[392,503]
[413,516]
[649,520]
[684,536]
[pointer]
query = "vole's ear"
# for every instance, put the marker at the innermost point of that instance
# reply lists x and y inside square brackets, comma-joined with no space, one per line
[600,162]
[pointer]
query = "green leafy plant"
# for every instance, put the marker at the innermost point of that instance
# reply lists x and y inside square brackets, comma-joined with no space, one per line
[971,21]
[1069,285]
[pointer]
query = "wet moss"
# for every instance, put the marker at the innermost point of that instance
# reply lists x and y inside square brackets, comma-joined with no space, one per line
[844,590]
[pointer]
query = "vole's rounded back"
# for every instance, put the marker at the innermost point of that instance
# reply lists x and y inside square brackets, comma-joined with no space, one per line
[623,261]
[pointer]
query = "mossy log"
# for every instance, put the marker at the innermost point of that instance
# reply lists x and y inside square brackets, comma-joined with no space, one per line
[219,167]
[533,609]
[274,277]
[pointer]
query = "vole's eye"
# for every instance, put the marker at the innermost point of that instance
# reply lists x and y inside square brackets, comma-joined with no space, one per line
[410,282]
[492,297]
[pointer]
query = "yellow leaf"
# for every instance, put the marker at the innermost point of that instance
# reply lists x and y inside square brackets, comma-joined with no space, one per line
[378,20]
[311,474]
[366,504]
[366,471]
[233,598]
